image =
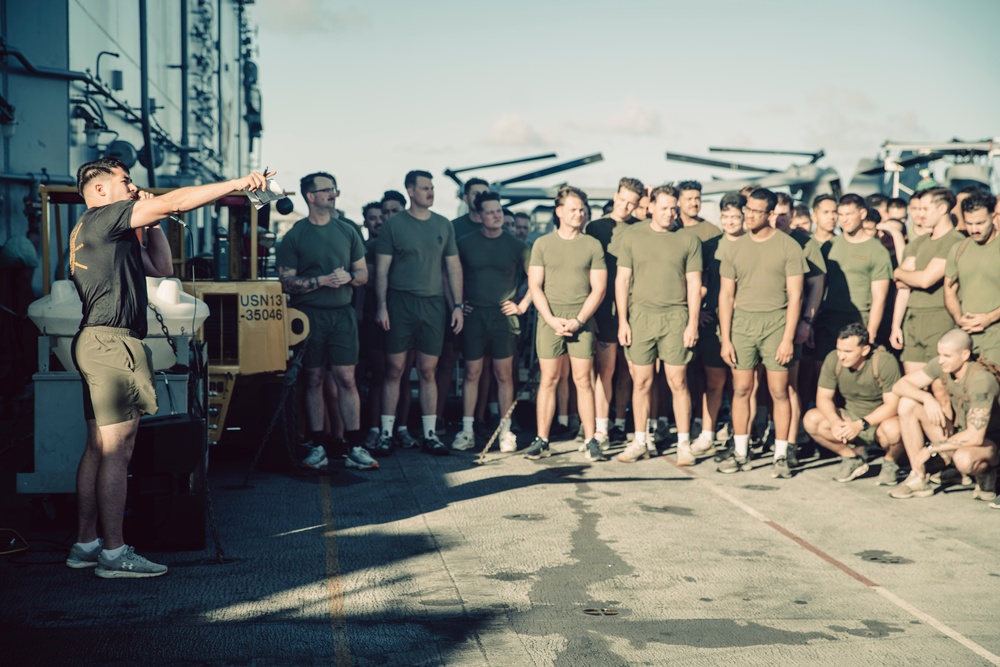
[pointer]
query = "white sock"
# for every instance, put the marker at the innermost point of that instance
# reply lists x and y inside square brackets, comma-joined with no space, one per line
[683,437]
[111,554]
[780,448]
[742,443]
[640,438]
[602,425]
[467,423]
[563,419]
[620,423]
[403,429]
[430,424]
[388,421]
[505,426]
[89,546]
[494,409]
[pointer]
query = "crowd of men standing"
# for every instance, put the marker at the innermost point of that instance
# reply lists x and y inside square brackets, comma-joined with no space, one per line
[866,326]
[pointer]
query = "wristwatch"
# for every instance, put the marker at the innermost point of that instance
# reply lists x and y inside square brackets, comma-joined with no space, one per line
[458,305]
[864,424]
[808,320]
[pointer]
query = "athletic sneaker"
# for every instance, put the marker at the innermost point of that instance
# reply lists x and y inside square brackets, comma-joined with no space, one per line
[79,559]
[792,455]
[602,439]
[735,464]
[913,486]
[359,459]
[383,447]
[433,445]
[128,565]
[986,486]
[850,468]
[580,436]
[316,459]
[684,455]
[636,451]
[558,431]
[781,469]
[617,435]
[703,445]
[594,452]
[538,449]
[464,440]
[371,440]
[508,442]
[405,440]
[889,475]
[725,453]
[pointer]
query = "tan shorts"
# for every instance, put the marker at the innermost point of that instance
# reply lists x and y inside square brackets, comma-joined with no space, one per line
[658,334]
[756,337]
[550,346]
[117,372]
[922,329]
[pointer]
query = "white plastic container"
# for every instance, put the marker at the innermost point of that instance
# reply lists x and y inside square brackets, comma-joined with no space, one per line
[59,315]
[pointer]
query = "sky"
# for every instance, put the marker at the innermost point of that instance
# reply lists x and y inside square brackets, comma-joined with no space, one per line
[370,90]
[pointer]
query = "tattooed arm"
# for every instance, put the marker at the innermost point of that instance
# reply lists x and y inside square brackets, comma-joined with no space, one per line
[292,284]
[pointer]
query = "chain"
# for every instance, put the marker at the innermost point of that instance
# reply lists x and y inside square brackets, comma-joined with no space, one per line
[163,325]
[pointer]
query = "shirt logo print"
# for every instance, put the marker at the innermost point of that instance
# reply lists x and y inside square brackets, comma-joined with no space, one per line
[73,247]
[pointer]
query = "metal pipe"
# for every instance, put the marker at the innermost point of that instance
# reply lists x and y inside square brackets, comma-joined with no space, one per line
[185,111]
[218,48]
[47,72]
[147,134]
[40,177]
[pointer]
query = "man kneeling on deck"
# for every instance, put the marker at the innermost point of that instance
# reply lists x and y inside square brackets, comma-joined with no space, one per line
[864,377]
[964,431]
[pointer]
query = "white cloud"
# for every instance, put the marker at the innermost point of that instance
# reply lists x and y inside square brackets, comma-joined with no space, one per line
[300,16]
[513,129]
[635,120]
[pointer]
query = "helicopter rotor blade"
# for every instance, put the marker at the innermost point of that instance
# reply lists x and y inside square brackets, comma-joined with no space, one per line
[814,156]
[903,163]
[708,162]
[554,169]
[453,173]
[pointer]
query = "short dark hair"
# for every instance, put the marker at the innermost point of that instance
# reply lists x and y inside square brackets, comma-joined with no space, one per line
[896,202]
[855,329]
[484,197]
[522,215]
[969,189]
[851,199]
[632,185]
[610,205]
[95,169]
[800,211]
[783,199]
[371,205]
[732,200]
[665,189]
[873,215]
[307,182]
[507,212]
[467,187]
[393,195]
[940,195]
[819,199]
[979,199]
[919,194]
[765,195]
[411,177]
[684,186]
[876,200]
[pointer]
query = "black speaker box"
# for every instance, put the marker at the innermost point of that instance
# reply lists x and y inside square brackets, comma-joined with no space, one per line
[172,443]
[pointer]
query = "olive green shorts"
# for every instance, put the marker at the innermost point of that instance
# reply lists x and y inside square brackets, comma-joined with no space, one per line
[658,334]
[987,343]
[117,372]
[606,322]
[550,346]
[827,327]
[487,331]
[756,337]
[866,436]
[922,329]
[415,323]
[333,337]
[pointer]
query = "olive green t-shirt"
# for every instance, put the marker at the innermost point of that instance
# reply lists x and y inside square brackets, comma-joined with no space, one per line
[418,249]
[861,392]
[491,268]
[704,230]
[760,269]
[973,398]
[978,273]
[923,250]
[811,249]
[567,267]
[316,250]
[464,225]
[659,263]
[711,256]
[851,268]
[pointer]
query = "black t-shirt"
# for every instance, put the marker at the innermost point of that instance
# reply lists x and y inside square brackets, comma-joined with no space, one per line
[105,262]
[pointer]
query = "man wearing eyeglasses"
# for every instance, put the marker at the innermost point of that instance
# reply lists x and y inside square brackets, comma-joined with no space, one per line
[320,261]
[760,300]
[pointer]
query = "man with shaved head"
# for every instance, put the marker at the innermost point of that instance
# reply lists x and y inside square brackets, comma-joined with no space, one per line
[969,417]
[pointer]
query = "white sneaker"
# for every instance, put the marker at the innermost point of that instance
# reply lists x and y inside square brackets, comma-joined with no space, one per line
[316,459]
[464,440]
[703,445]
[508,443]
[636,451]
[684,455]
[360,459]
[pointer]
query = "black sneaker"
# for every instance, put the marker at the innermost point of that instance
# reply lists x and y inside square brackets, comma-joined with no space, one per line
[594,452]
[792,457]
[383,447]
[539,449]
[558,430]
[617,435]
[726,452]
[432,445]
